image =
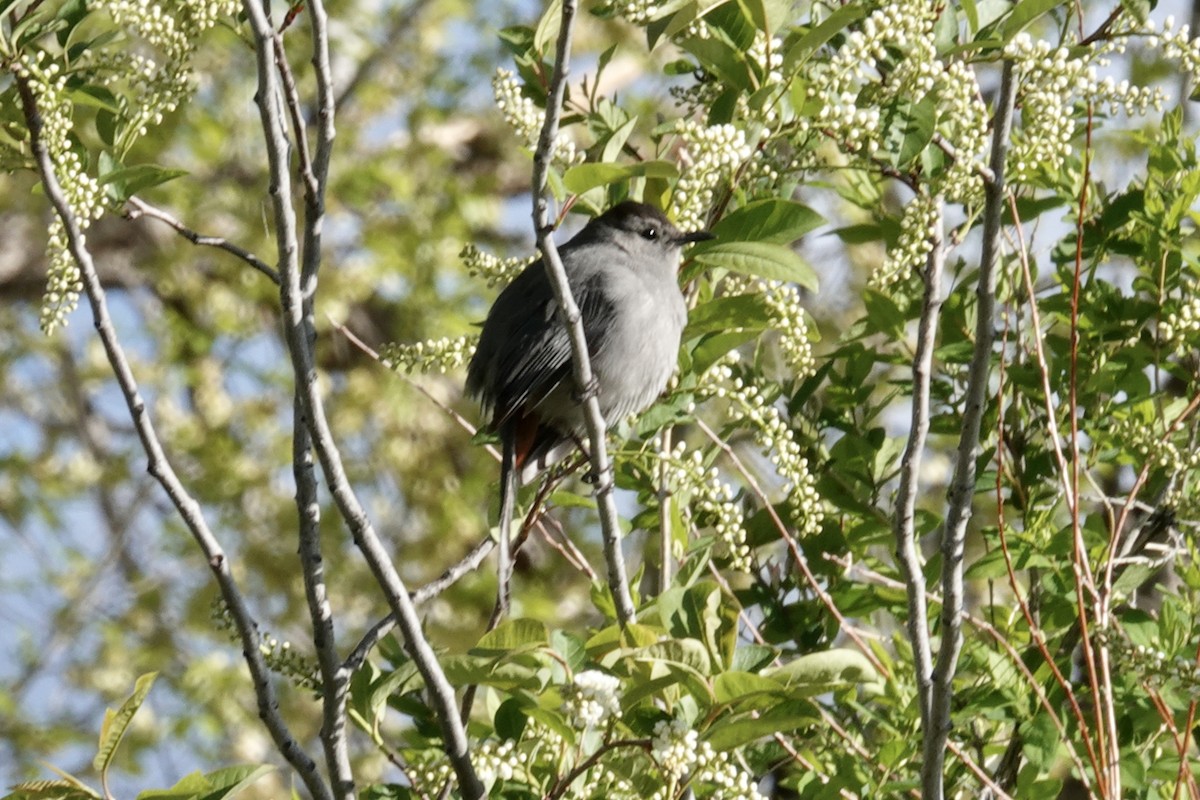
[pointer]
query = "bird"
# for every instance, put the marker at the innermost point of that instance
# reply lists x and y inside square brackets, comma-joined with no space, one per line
[622,268]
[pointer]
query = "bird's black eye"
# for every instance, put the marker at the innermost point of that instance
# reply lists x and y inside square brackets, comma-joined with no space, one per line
[650,233]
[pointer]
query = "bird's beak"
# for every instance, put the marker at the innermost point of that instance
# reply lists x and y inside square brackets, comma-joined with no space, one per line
[695,236]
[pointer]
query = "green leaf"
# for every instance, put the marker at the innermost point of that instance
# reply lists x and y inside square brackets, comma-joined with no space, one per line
[513,634]
[722,60]
[743,729]
[1023,15]
[752,657]
[714,346]
[117,722]
[817,673]
[731,686]
[124,182]
[582,177]
[908,129]
[761,260]
[511,719]
[547,27]
[745,311]
[222,783]
[72,13]
[834,24]
[772,221]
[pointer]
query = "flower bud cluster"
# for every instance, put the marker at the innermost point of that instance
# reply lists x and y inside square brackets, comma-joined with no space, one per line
[748,406]
[679,752]
[526,119]
[1176,45]
[434,355]
[789,318]
[493,269]
[1151,447]
[1050,81]
[710,156]
[48,84]
[963,121]
[171,29]
[869,60]
[1154,665]
[594,700]
[908,255]
[1182,327]
[711,500]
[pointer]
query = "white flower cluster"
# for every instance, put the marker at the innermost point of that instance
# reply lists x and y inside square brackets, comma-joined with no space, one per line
[903,27]
[493,269]
[1050,80]
[499,760]
[638,12]
[914,245]
[788,317]
[595,699]
[493,761]
[710,155]
[1155,665]
[772,433]
[677,749]
[712,499]
[1182,328]
[767,54]
[83,193]
[1177,45]
[435,355]
[963,121]
[171,28]
[526,118]
[1151,447]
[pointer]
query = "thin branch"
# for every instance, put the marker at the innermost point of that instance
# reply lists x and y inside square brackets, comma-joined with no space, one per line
[585,381]
[300,349]
[793,548]
[160,467]
[140,208]
[962,486]
[907,556]
[335,678]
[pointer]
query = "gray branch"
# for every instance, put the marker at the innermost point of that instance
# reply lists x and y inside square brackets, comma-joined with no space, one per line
[160,467]
[300,350]
[335,678]
[907,554]
[585,380]
[962,485]
[140,208]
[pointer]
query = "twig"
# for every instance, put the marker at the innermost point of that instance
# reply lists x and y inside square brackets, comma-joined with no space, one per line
[962,485]
[1098,673]
[793,548]
[585,381]
[907,556]
[348,504]
[335,678]
[140,208]
[160,467]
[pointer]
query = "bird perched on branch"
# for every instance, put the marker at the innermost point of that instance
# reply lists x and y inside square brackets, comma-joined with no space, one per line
[623,272]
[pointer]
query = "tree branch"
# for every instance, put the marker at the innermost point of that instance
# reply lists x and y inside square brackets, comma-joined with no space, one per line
[300,349]
[962,485]
[160,467]
[907,556]
[581,364]
[140,208]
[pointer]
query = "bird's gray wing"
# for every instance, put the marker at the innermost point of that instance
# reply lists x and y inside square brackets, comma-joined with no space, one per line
[534,354]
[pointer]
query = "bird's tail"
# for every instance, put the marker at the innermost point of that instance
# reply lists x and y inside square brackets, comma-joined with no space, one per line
[508,491]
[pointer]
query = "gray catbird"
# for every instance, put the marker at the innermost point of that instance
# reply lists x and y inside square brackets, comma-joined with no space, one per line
[622,269]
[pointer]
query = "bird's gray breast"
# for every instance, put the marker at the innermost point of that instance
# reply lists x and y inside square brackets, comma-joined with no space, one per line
[639,354]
